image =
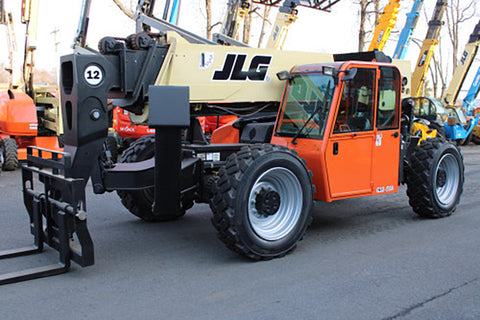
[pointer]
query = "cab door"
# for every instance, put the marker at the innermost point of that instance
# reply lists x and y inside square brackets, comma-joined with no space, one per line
[349,150]
[386,149]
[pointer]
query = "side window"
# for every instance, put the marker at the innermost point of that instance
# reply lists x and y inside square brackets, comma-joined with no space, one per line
[388,99]
[422,107]
[355,112]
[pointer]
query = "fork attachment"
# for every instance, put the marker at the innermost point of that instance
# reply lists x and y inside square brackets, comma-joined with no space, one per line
[57,216]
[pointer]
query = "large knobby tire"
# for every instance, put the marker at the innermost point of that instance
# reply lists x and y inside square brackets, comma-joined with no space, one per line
[140,202]
[8,147]
[434,176]
[475,139]
[262,201]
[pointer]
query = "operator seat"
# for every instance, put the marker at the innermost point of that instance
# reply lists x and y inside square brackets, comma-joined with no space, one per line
[358,123]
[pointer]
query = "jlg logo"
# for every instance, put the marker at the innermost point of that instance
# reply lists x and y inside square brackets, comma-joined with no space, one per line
[233,65]
[464,57]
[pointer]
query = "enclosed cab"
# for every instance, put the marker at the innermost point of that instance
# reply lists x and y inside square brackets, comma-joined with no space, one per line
[344,134]
[351,141]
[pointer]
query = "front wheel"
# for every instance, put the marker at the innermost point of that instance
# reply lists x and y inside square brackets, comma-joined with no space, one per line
[8,148]
[434,176]
[262,201]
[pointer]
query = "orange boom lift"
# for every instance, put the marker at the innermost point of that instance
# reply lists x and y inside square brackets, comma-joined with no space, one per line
[28,116]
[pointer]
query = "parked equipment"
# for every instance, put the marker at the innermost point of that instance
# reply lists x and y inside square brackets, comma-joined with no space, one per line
[340,116]
[458,128]
[28,117]
[236,11]
[385,24]
[426,52]
[468,101]
[407,31]
[470,108]
[432,117]
[461,70]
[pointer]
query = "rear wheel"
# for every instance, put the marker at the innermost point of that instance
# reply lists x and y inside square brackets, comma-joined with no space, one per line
[8,148]
[140,202]
[435,175]
[475,139]
[262,201]
[111,146]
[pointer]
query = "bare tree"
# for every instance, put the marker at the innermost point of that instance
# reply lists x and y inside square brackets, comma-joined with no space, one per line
[456,15]
[208,8]
[365,14]
[266,13]
[247,26]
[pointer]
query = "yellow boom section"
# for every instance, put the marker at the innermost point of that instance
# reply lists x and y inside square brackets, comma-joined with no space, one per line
[428,46]
[386,23]
[280,29]
[461,70]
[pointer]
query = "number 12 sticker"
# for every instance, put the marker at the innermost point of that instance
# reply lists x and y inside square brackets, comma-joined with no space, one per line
[93,75]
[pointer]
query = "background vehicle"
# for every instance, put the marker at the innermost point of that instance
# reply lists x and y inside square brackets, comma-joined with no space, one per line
[458,128]
[29,115]
[428,46]
[449,122]
[385,24]
[407,31]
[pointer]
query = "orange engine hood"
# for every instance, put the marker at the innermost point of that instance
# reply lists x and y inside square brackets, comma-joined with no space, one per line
[18,114]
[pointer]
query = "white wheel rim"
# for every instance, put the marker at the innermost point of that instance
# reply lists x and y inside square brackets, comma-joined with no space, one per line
[283,221]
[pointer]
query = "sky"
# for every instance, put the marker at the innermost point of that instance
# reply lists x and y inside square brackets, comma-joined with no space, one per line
[314,30]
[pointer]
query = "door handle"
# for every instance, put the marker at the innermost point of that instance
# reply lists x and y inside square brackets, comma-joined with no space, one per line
[335,148]
[395,134]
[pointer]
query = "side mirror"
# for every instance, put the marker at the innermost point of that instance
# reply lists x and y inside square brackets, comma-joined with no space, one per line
[349,74]
[284,75]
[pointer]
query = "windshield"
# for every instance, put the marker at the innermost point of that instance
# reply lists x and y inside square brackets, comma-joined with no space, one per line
[429,108]
[306,109]
[452,112]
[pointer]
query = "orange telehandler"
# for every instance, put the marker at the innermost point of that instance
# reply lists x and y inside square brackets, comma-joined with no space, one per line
[333,127]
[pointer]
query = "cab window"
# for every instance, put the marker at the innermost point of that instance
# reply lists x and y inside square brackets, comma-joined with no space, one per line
[388,98]
[355,111]
[306,106]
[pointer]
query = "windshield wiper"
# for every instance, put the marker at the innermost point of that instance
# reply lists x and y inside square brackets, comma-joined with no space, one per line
[304,125]
[326,98]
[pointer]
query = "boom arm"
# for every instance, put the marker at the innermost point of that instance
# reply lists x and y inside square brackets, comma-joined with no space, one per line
[174,12]
[236,11]
[428,46]
[407,31]
[471,48]
[386,23]
[29,18]
[472,94]
[286,16]
[80,39]
[14,76]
